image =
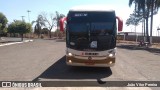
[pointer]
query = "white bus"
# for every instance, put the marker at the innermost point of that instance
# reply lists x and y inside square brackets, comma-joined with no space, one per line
[91,36]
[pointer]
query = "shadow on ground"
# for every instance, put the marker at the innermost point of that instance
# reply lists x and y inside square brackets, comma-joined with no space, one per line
[135,47]
[60,70]
[60,40]
[57,40]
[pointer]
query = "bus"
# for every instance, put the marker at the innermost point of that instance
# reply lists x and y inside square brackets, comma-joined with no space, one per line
[91,36]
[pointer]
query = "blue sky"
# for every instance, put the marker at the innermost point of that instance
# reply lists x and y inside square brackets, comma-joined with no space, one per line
[14,9]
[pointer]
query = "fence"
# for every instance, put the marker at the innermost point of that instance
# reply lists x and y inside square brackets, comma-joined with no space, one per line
[155,39]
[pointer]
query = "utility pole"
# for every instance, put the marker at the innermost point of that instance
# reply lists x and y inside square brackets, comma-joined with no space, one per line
[29,22]
[28,15]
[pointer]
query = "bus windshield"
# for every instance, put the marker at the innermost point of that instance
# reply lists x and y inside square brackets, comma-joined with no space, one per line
[91,22]
[78,28]
[101,28]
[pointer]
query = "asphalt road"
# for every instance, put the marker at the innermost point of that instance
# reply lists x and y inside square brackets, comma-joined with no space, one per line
[44,60]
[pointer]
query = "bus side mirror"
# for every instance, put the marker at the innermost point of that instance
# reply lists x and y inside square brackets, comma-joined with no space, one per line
[120,23]
[61,23]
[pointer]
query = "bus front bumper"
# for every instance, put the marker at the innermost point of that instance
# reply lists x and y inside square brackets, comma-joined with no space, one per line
[72,61]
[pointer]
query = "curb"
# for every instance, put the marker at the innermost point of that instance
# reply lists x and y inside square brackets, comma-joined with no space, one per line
[7,44]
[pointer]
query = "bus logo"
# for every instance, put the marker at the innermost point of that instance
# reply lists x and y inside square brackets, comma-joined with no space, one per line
[89,58]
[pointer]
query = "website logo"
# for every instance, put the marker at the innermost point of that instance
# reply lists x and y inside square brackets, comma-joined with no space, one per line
[6,84]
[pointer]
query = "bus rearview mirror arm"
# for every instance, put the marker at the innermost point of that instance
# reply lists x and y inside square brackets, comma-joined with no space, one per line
[61,23]
[120,23]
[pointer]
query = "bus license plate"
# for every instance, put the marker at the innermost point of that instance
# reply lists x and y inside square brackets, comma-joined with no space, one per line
[89,62]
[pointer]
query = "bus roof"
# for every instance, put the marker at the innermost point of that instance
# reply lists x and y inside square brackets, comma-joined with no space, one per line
[92,8]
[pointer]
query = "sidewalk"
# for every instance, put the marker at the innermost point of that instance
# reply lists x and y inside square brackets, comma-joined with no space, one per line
[12,40]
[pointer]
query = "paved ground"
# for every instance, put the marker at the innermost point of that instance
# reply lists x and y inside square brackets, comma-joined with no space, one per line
[44,60]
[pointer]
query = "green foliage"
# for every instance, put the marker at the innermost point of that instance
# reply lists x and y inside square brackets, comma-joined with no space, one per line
[19,27]
[134,19]
[45,31]
[3,23]
[148,9]
[144,7]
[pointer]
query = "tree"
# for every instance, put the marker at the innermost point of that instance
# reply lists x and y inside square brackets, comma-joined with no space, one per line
[57,18]
[51,20]
[39,24]
[149,8]
[154,6]
[19,27]
[3,23]
[140,5]
[45,31]
[134,19]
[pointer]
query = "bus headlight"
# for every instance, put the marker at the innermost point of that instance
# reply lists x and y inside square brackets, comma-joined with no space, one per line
[110,62]
[111,55]
[70,54]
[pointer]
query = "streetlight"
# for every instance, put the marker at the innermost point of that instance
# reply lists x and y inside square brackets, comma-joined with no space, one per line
[29,22]
[22,18]
[28,15]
